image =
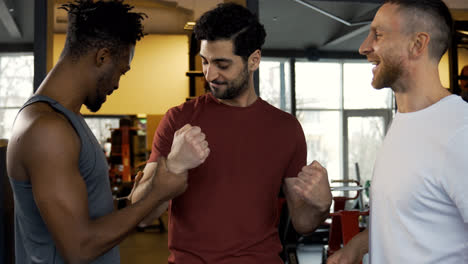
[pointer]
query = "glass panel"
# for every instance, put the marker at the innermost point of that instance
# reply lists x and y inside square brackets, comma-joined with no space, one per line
[322,132]
[16,79]
[358,91]
[318,85]
[7,117]
[365,136]
[101,127]
[275,84]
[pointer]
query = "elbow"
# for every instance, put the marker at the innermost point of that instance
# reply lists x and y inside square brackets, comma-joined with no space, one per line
[80,252]
[306,224]
[75,259]
[303,231]
[305,228]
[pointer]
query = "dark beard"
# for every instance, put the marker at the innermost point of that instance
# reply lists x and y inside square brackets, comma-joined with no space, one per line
[94,104]
[234,88]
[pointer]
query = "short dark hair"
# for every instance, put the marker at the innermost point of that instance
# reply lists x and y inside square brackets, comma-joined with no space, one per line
[99,24]
[235,22]
[431,16]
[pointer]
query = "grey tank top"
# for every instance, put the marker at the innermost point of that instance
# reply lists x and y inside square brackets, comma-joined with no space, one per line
[33,242]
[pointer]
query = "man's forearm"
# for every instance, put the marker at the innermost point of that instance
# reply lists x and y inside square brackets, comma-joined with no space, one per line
[360,243]
[154,214]
[104,233]
[306,218]
[144,187]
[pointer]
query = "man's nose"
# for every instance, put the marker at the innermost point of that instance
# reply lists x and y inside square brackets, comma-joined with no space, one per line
[211,73]
[365,47]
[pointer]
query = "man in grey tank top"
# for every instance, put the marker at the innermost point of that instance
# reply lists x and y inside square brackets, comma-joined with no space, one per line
[63,203]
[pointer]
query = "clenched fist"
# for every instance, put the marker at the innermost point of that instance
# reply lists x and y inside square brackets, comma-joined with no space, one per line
[311,185]
[189,149]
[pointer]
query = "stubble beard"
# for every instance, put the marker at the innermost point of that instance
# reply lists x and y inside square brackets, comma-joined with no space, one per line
[390,70]
[234,88]
[94,104]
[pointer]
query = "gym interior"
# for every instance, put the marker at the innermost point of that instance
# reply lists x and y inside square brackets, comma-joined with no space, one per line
[310,68]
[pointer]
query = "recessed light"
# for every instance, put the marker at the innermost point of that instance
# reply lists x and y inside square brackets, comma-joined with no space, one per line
[189,25]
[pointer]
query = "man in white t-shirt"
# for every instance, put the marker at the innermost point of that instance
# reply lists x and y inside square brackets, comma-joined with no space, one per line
[419,197]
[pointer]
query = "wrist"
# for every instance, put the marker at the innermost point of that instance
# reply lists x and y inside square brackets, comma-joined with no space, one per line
[174,166]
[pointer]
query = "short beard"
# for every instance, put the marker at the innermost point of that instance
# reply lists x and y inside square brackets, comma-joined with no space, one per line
[234,88]
[390,72]
[94,104]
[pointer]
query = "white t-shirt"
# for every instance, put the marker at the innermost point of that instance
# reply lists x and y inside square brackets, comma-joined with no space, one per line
[419,196]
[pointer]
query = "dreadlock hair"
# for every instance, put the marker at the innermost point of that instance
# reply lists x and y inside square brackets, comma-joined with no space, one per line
[99,24]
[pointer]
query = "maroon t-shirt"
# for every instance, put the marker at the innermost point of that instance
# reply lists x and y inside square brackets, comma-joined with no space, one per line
[227,215]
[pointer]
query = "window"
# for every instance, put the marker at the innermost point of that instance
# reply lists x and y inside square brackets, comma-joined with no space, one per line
[275,85]
[102,126]
[318,109]
[344,119]
[16,86]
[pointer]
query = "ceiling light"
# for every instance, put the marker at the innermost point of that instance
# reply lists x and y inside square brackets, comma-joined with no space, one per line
[189,25]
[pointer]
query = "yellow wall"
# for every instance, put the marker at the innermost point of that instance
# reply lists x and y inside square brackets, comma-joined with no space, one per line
[444,66]
[444,71]
[156,81]
[462,53]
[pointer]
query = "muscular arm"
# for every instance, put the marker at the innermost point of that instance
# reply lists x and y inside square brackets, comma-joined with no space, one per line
[143,188]
[189,149]
[50,154]
[308,197]
[305,218]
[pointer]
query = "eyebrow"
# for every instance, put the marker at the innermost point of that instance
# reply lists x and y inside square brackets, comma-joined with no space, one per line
[218,59]
[379,28]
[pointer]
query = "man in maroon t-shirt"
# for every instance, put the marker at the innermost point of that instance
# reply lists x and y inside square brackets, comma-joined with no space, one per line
[227,214]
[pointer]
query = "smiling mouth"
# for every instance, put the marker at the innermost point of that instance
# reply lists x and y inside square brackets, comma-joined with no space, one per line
[216,85]
[375,64]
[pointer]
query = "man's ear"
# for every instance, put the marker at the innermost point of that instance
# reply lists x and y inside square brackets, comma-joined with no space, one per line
[103,56]
[254,60]
[419,44]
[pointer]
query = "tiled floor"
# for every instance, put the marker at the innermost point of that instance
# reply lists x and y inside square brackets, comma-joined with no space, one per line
[148,247]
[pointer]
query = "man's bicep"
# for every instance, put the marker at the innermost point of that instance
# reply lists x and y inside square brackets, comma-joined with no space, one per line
[58,188]
[63,205]
[298,158]
[163,136]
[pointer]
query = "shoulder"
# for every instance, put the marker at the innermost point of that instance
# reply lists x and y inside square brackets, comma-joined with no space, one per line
[183,113]
[42,131]
[191,105]
[279,115]
[453,113]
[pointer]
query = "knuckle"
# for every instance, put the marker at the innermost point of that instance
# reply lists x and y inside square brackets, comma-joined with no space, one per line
[187,137]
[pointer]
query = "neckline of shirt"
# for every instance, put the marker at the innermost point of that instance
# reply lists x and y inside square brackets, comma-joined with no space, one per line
[236,108]
[427,109]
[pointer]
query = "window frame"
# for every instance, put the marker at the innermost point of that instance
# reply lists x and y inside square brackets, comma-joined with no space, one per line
[386,113]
